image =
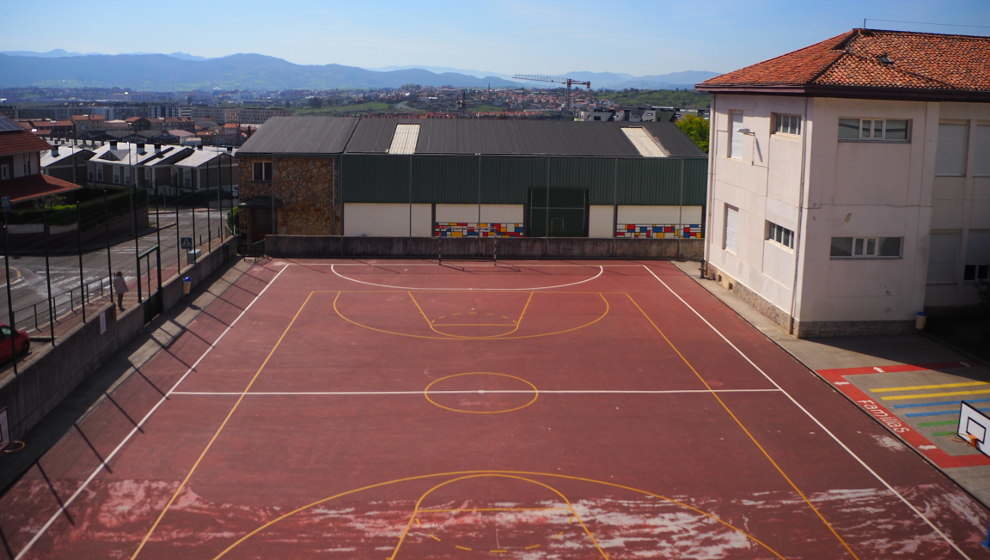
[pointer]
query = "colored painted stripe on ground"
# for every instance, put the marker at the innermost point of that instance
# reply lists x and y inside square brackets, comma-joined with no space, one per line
[952,433]
[936,423]
[933,395]
[896,368]
[937,403]
[918,387]
[937,413]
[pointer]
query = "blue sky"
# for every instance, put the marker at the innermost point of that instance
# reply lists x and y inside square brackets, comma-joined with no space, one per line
[505,36]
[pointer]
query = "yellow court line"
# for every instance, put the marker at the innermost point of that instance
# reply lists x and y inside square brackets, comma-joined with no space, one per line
[216,433]
[516,324]
[930,395]
[473,324]
[939,386]
[607,309]
[535,391]
[424,495]
[745,430]
[353,491]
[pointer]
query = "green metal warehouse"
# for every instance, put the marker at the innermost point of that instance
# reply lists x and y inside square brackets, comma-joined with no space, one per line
[472,177]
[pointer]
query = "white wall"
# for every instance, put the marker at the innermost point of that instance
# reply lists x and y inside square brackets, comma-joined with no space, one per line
[867,189]
[483,213]
[457,213]
[656,214]
[764,184]
[961,204]
[387,220]
[600,219]
[502,213]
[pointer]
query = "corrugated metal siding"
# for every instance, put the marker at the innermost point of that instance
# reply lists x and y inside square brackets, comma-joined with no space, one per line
[507,180]
[695,181]
[375,178]
[446,179]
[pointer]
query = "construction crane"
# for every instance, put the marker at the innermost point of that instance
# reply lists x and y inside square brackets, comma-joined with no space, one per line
[569,81]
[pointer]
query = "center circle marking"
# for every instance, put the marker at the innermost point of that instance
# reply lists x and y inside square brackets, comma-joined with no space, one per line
[532,389]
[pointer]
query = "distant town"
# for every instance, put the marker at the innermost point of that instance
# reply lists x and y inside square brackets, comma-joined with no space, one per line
[227,117]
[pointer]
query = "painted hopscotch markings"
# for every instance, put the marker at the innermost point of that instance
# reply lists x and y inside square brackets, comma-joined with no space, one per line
[886,416]
[922,387]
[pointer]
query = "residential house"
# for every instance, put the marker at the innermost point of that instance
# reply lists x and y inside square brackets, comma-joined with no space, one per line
[850,180]
[66,161]
[21,180]
[207,169]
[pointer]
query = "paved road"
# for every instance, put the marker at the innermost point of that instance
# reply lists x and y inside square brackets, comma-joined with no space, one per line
[29,286]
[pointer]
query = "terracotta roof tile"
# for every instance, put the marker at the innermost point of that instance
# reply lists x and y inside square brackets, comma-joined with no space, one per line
[867,58]
[30,187]
[21,141]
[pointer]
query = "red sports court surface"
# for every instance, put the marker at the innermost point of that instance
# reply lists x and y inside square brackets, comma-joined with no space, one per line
[531,410]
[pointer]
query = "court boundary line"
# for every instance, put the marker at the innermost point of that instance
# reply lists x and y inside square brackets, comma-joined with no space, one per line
[813,418]
[468,392]
[601,270]
[746,431]
[219,430]
[137,428]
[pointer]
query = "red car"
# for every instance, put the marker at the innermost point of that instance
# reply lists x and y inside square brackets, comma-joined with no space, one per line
[21,343]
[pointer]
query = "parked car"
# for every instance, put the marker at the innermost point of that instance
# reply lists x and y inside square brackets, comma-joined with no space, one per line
[21,343]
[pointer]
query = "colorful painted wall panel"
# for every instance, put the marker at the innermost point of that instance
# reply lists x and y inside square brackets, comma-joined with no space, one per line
[469,229]
[659,231]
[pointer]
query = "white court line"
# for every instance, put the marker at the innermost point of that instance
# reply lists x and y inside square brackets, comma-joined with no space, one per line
[601,270]
[814,419]
[141,423]
[468,392]
[519,264]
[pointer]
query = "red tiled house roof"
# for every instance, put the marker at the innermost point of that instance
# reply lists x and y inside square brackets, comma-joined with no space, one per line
[873,63]
[30,187]
[16,142]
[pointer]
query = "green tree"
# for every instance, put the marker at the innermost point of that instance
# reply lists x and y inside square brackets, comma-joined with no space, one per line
[696,128]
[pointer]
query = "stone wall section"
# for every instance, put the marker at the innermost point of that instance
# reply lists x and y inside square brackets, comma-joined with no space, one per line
[307,189]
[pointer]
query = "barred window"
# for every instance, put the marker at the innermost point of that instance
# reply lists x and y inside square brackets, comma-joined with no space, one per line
[786,124]
[780,234]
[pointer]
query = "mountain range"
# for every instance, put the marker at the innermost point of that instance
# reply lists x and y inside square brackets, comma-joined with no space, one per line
[182,71]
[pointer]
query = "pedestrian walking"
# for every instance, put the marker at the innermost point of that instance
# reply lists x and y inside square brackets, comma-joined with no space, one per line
[120,287]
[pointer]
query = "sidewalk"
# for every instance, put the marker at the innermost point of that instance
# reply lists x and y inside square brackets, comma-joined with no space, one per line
[911,384]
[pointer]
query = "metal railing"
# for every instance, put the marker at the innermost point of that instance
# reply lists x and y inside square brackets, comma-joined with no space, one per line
[35,317]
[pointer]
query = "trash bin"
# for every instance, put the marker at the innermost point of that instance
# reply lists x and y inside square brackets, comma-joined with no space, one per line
[186,285]
[920,319]
[191,256]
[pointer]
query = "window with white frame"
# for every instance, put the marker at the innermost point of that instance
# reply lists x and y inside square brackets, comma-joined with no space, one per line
[263,172]
[875,130]
[866,247]
[977,264]
[780,235]
[943,257]
[730,237]
[950,157]
[736,139]
[786,124]
[981,150]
